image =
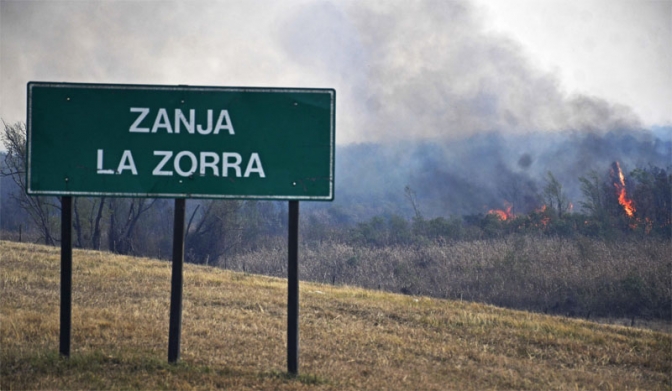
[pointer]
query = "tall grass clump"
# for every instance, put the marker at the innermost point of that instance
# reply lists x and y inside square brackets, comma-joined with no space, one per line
[577,277]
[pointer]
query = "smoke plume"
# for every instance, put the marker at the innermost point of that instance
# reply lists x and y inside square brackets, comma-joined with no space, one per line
[428,70]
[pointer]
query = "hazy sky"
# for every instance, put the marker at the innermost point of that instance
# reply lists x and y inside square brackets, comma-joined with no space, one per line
[401,69]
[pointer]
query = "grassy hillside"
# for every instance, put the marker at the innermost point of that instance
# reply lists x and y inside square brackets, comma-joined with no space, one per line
[234,329]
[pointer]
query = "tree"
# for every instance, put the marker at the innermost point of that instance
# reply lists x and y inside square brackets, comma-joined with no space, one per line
[519,191]
[216,231]
[554,197]
[258,219]
[87,221]
[372,232]
[124,214]
[413,199]
[43,211]
[399,230]
[653,197]
[594,202]
[12,217]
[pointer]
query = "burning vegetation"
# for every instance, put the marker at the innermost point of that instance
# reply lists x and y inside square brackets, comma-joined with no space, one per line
[606,212]
[621,193]
[503,214]
[608,205]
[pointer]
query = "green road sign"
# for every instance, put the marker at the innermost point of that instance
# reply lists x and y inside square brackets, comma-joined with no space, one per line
[180,141]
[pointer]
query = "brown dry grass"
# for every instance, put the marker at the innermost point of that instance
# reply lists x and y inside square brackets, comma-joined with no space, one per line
[234,335]
[586,277]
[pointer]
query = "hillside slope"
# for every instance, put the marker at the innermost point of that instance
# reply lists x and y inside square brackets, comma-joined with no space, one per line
[234,326]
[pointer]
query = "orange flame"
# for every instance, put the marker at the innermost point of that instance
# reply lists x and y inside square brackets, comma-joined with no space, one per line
[503,214]
[545,219]
[627,203]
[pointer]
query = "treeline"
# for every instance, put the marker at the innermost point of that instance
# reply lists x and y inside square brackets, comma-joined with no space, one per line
[613,206]
[218,229]
[136,226]
[609,210]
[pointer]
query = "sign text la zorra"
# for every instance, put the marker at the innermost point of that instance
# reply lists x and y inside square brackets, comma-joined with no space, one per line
[169,162]
[178,141]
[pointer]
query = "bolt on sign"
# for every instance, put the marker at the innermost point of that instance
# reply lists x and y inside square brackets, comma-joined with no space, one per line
[180,141]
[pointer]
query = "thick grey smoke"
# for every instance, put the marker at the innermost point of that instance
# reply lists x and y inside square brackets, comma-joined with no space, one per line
[482,172]
[426,69]
[403,70]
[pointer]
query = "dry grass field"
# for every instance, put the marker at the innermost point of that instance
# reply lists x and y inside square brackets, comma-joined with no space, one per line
[583,277]
[234,325]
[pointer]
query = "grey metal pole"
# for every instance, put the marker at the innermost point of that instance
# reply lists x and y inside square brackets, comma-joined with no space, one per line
[66,275]
[175,327]
[293,290]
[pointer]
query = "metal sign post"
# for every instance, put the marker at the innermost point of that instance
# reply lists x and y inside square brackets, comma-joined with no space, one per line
[175,327]
[293,289]
[66,276]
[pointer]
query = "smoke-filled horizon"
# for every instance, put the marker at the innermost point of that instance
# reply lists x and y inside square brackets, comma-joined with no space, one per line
[429,95]
[485,171]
